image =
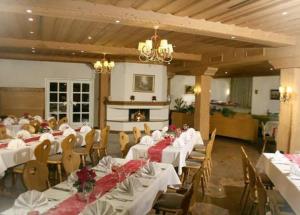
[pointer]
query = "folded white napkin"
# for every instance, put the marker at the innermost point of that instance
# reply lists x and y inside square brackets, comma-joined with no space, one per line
[47,136]
[147,140]
[165,129]
[29,201]
[105,164]
[38,118]
[16,144]
[279,158]
[23,121]
[23,134]
[183,137]
[149,169]
[99,207]
[63,127]
[128,186]
[198,138]
[8,121]
[69,131]
[156,135]
[178,142]
[85,129]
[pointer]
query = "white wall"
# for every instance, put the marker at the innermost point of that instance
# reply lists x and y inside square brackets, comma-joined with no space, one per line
[122,82]
[220,89]
[177,88]
[21,73]
[261,102]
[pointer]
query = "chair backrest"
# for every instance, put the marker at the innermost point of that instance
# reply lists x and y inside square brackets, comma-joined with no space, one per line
[262,197]
[137,135]
[35,175]
[41,152]
[52,123]
[68,143]
[22,156]
[3,133]
[71,161]
[89,140]
[209,150]
[62,121]
[36,124]
[124,143]
[212,138]
[28,128]
[147,129]
[104,137]
[245,164]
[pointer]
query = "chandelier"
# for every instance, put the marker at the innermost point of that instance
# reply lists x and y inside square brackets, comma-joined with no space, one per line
[104,66]
[155,50]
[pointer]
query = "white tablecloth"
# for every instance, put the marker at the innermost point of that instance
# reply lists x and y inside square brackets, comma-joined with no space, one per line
[172,155]
[7,156]
[142,199]
[279,175]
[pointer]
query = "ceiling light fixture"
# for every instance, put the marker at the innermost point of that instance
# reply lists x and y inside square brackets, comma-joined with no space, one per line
[104,65]
[155,49]
[30,19]
[31,32]
[233,37]
[82,51]
[28,11]
[89,37]
[33,51]
[117,21]
[284,13]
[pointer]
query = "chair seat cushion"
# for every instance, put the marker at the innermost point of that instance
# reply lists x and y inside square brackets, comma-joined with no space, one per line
[55,158]
[19,168]
[80,150]
[197,154]
[199,147]
[192,163]
[170,201]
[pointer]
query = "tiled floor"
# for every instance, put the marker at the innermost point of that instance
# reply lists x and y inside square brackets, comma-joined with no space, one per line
[223,192]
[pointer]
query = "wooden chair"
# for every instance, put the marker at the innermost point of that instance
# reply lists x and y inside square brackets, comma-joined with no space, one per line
[36,124]
[124,143]
[202,148]
[137,135]
[251,197]
[52,123]
[245,165]
[262,205]
[71,161]
[66,145]
[62,121]
[35,176]
[28,128]
[101,147]
[147,129]
[83,152]
[41,153]
[3,133]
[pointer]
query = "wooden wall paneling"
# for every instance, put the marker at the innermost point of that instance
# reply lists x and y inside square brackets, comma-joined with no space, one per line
[17,101]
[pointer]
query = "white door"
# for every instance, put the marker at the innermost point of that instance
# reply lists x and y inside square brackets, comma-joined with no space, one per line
[70,98]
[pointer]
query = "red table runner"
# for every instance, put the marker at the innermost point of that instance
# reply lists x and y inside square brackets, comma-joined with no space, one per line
[155,152]
[72,205]
[295,158]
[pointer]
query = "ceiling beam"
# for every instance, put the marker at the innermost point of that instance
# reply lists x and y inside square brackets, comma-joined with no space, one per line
[97,49]
[89,11]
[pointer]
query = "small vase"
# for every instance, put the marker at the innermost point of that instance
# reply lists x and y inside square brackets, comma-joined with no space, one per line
[84,196]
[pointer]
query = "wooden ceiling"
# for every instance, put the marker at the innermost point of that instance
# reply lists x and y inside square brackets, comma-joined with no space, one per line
[66,30]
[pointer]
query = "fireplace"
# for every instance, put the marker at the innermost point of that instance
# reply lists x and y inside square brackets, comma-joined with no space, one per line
[139,115]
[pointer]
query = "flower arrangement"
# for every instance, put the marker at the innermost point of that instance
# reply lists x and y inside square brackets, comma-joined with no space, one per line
[86,180]
[44,127]
[172,128]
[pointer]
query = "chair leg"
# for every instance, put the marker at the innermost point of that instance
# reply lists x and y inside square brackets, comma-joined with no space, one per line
[59,172]
[244,204]
[243,194]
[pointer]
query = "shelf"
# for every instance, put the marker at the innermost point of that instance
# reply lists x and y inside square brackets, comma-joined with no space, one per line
[137,103]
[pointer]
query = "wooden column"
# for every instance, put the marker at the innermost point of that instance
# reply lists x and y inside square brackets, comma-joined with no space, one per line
[202,102]
[289,116]
[104,92]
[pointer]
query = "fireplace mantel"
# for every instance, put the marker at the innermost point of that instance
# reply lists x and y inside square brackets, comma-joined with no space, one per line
[137,103]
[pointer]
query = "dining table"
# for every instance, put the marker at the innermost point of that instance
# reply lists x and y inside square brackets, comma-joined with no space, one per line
[62,199]
[175,155]
[11,157]
[279,172]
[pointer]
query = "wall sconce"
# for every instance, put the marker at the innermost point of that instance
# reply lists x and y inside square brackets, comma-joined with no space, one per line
[197,90]
[132,98]
[285,93]
[153,98]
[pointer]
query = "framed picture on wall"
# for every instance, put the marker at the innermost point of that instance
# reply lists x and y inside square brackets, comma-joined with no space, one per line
[274,94]
[189,89]
[143,83]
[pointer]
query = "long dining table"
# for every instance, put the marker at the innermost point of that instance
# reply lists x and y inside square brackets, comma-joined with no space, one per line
[61,200]
[11,157]
[279,172]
